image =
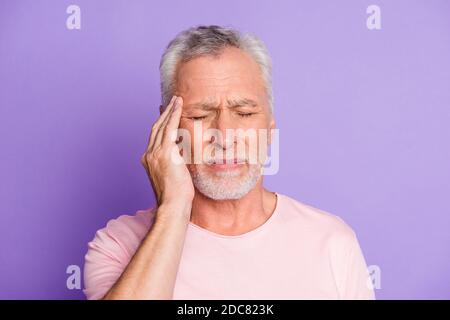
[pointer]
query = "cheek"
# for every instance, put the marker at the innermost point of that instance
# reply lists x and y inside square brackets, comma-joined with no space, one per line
[196,134]
[184,124]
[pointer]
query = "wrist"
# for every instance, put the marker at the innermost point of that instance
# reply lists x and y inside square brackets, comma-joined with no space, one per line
[175,210]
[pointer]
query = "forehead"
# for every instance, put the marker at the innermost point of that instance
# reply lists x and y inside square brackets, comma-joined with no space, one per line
[232,73]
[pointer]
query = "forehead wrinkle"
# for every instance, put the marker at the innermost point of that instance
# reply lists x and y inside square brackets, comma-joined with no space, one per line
[205,105]
[231,103]
[244,102]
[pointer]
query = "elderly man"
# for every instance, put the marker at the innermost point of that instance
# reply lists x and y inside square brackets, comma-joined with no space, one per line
[216,232]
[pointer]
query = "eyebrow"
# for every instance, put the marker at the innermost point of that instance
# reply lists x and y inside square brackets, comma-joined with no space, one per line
[231,103]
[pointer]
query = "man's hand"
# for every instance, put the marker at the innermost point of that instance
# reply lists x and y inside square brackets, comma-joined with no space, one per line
[168,174]
[151,273]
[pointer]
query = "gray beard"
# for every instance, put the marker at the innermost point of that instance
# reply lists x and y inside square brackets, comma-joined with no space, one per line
[226,185]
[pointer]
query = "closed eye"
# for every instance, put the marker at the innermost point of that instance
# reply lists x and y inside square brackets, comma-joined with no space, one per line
[197,118]
[244,115]
[241,114]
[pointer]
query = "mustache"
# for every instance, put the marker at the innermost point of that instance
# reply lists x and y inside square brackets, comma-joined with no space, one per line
[221,160]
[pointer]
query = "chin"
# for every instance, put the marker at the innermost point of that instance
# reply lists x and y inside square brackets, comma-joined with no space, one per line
[233,183]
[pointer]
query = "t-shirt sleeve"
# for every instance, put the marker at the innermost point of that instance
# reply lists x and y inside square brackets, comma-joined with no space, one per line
[111,250]
[357,284]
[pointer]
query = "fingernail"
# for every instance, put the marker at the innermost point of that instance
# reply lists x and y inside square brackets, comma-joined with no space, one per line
[177,103]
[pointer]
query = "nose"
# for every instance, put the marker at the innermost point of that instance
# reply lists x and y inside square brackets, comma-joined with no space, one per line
[224,123]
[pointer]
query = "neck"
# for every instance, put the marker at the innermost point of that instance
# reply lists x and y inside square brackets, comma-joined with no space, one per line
[234,217]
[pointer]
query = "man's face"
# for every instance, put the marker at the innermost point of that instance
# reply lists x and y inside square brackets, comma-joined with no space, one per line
[223,93]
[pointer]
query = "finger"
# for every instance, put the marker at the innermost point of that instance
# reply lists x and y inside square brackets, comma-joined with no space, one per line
[158,123]
[160,134]
[173,122]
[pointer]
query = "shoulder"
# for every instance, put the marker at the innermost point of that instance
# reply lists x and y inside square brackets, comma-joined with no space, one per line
[334,242]
[124,233]
[130,225]
[111,250]
[318,223]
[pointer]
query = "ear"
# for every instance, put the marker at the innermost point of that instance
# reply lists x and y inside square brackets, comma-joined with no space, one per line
[272,125]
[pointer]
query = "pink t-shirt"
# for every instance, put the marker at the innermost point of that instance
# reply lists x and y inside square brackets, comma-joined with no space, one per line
[300,252]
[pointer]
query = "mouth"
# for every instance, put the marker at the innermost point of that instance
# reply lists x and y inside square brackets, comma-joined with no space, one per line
[226,164]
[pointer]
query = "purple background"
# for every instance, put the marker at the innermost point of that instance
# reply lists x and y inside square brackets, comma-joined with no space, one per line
[363,117]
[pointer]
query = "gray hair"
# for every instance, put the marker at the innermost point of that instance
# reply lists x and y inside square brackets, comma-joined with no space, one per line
[211,40]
